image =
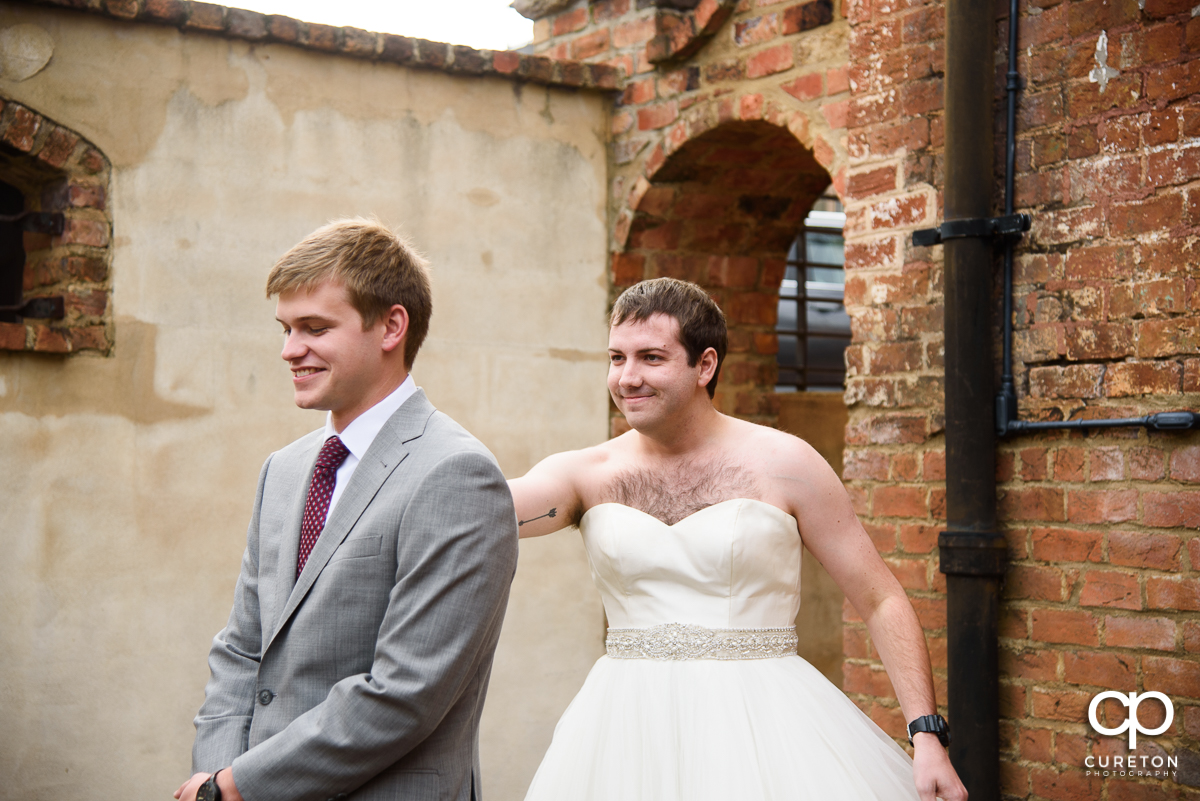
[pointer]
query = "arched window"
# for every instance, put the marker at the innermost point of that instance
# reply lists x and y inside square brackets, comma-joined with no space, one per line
[813,326]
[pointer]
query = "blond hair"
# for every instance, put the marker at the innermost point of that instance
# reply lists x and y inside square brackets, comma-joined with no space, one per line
[378,267]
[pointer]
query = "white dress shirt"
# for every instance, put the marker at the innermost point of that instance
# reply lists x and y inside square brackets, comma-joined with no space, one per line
[361,432]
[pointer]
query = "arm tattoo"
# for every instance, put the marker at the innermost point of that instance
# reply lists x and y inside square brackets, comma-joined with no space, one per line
[551,513]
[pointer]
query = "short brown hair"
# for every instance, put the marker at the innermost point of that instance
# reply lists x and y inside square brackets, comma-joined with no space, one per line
[701,322]
[378,267]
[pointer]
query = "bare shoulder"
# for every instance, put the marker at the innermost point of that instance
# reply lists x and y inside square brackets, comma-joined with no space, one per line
[789,472]
[770,446]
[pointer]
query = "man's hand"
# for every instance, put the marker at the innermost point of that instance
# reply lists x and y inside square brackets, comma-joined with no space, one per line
[187,790]
[229,790]
[932,771]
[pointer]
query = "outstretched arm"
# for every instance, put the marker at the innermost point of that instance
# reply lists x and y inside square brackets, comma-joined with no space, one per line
[546,497]
[833,534]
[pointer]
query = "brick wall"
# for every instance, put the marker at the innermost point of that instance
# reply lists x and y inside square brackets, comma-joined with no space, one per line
[731,122]
[1101,593]
[58,170]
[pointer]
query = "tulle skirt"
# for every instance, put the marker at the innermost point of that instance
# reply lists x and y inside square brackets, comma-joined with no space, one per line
[710,730]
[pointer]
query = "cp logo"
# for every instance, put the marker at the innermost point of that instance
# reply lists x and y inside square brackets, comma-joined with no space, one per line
[1131,700]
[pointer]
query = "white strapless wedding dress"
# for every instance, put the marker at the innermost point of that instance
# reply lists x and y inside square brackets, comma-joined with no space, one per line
[702,696]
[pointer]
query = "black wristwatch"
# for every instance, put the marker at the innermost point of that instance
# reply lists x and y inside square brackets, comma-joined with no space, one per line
[209,791]
[933,724]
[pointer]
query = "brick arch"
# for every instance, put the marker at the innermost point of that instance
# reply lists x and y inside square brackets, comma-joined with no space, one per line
[58,170]
[721,209]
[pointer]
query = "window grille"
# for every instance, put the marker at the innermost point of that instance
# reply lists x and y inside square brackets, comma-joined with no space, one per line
[813,326]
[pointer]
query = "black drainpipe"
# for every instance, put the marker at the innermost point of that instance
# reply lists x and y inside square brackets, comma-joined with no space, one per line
[972,553]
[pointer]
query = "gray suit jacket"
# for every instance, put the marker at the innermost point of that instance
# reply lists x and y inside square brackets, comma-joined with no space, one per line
[366,677]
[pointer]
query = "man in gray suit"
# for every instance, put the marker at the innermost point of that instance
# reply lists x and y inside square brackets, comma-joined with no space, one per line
[378,559]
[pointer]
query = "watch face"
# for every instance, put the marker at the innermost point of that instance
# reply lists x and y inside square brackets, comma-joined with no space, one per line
[207,791]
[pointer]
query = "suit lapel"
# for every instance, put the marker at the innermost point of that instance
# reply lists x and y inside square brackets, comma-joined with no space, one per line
[279,552]
[387,451]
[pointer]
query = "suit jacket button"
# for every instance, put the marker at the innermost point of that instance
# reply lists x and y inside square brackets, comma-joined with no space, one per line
[265,697]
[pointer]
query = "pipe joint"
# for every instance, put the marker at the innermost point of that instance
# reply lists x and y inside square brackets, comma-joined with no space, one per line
[972,553]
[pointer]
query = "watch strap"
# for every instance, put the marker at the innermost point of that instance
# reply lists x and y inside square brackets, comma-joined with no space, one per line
[930,724]
[210,790]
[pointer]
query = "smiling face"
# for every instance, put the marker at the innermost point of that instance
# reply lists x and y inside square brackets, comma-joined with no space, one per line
[649,376]
[335,364]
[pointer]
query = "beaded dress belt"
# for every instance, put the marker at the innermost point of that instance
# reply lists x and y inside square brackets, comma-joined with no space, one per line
[678,641]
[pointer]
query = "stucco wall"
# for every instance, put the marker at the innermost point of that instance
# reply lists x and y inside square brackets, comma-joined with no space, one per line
[128,479]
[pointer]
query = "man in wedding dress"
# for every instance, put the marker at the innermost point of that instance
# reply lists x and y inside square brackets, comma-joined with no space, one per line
[693,522]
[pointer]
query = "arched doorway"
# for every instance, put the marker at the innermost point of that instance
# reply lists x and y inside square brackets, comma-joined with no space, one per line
[724,210]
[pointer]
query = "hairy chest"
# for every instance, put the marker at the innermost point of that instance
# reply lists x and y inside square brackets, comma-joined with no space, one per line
[673,493]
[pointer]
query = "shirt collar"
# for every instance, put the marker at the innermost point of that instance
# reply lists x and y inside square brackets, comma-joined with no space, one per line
[361,432]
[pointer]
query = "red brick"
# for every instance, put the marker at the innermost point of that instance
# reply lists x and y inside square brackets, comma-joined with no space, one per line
[1143,549]
[59,146]
[1173,593]
[1068,225]
[806,16]
[1110,588]
[837,80]
[1171,676]
[1174,81]
[1100,261]
[12,336]
[1149,298]
[1140,632]
[1109,671]
[918,538]
[1066,545]
[1173,166]
[635,32]
[1067,785]
[661,237]
[806,87]
[590,45]
[1068,627]
[1101,506]
[570,21]
[22,128]
[756,30]
[865,465]
[1185,464]
[1036,503]
[1089,341]
[1030,664]
[1171,509]
[1072,381]
[1146,464]
[658,116]
[50,340]
[1035,745]
[1028,582]
[911,573]
[897,501]
[931,612]
[628,268]
[1157,338]
[85,232]
[770,61]
[753,308]
[1059,704]
[1068,464]
[1106,464]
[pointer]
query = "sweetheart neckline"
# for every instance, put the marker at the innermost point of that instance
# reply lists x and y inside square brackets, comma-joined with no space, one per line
[770,506]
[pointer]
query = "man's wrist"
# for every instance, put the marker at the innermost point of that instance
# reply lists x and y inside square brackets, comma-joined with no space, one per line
[229,790]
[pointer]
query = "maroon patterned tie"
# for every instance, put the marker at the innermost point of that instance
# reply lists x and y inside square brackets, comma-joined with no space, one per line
[324,477]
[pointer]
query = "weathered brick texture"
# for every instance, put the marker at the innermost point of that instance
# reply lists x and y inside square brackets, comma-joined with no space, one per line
[58,170]
[1102,592]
